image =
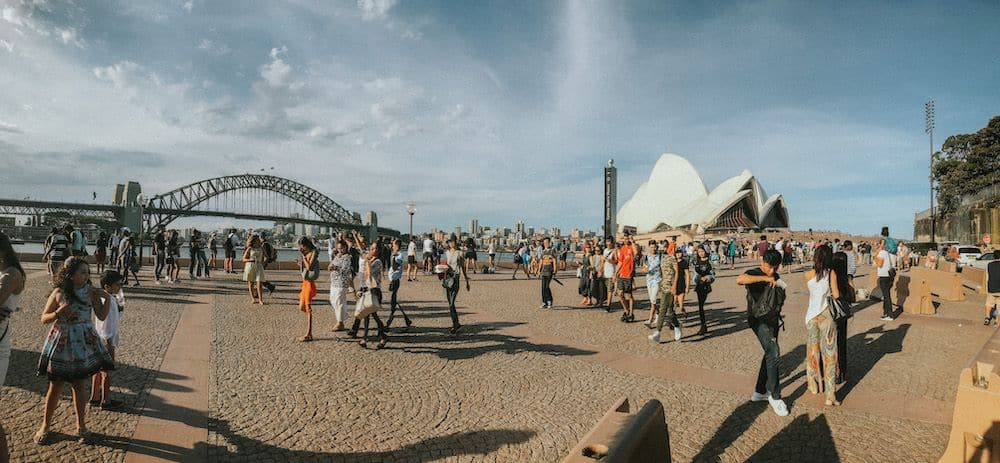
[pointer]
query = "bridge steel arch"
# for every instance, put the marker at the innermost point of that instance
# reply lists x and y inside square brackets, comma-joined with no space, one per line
[167,207]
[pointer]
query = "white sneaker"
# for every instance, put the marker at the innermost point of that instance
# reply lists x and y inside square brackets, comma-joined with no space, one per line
[648,323]
[677,334]
[655,337]
[778,406]
[758,397]
[886,319]
[543,306]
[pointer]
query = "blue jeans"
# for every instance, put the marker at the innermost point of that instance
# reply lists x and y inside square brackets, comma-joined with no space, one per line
[767,377]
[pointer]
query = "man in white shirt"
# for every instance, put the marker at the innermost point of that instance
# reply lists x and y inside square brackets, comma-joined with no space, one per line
[411,260]
[610,254]
[428,253]
[886,272]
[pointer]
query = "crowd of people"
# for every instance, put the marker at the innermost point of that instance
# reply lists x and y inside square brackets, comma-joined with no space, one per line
[81,344]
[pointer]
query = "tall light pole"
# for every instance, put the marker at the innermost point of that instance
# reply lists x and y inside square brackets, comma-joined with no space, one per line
[929,129]
[411,209]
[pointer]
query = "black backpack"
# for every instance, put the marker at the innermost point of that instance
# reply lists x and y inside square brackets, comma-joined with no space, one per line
[767,307]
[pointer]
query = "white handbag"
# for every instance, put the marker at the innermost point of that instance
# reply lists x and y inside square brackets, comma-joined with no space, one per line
[367,304]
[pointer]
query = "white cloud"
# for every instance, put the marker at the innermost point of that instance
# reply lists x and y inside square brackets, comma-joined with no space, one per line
[70,36]
[7,45]
[211,46]
[375,9]
[188,5]
[9,128]
[277,72]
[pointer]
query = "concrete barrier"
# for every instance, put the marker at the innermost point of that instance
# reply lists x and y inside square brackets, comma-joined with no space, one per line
[946,266]
[910,293]
[621,437]
[975,426]
[974,278]
[945,285]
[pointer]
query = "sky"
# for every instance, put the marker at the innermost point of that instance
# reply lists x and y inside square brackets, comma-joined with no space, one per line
[500,111]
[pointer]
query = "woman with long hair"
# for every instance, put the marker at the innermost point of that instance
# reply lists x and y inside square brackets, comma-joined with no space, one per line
[845,286]
[73,351]
[584,286]
[173,269]
[370,276]
[309,268]
[395,275]
[451,283]
[704,275]
[130,262]
[253,271]
[12,279]
[653,277]
[598,285]
[519,263]
[471,258]
[821,331]
[683,279]
[101,252]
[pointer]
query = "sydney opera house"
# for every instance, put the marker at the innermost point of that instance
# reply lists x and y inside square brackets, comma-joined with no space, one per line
[675,197]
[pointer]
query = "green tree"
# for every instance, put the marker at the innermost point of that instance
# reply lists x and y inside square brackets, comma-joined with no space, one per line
[966,164]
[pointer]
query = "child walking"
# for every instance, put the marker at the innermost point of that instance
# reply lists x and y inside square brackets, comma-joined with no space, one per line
[72,352]
[107,329]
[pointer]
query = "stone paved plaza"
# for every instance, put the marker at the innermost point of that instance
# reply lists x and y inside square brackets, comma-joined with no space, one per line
[519,384]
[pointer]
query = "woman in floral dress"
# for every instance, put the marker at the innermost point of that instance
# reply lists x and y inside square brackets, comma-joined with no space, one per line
[73,352]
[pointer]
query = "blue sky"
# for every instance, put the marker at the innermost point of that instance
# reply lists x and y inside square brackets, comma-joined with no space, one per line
[499,111]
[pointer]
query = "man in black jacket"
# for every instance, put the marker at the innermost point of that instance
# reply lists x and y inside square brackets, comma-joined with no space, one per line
[757,280]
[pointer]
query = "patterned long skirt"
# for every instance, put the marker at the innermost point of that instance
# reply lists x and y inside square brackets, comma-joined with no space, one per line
[821,355]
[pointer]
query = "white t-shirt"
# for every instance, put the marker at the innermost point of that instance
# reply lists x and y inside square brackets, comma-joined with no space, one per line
[609,268]
[108,328]
[411,249]
[887,263]
[491,249]
[428,245]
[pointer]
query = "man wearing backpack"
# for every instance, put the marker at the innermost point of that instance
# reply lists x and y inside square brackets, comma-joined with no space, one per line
[229,246]
[78,242]
[765,295]
[270,256]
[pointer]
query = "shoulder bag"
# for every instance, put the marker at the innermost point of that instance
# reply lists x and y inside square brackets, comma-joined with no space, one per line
[367,304]
[839,309]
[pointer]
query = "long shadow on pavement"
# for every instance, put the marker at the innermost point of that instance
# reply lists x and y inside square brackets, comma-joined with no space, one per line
[462,346]
[862,356]
[481,442]
[810,441]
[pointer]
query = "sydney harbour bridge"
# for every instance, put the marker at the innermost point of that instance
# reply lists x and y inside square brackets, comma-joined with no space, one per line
[247,196]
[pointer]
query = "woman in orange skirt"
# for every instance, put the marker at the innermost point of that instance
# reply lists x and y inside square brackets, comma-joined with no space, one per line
[309,268]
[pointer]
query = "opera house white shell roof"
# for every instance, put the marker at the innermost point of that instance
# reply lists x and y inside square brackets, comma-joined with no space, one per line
[675,195]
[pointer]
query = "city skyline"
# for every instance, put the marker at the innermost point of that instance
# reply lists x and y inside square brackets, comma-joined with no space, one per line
[523,102]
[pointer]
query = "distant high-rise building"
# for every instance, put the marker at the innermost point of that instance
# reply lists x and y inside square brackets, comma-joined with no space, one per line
[531,231]
[458,231]
[610,199]
[575,234]
[556,232]
[520,227]
[474,227]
